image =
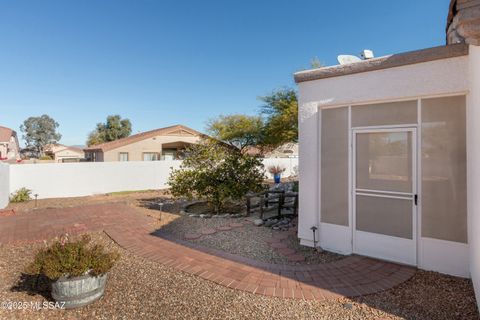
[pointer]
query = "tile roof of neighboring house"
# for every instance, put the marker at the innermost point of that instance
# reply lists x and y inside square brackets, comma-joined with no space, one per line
[53,148]
[6,133]
[141,136]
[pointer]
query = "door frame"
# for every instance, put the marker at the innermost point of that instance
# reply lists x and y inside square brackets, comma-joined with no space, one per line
[413,128]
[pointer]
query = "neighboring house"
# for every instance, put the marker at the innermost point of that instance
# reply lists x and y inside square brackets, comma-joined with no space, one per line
[161,144]
[386,146]
[287,150]
[61,153]
[9,147]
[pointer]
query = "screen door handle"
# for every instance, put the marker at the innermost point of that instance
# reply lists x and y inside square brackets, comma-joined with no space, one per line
[415,199]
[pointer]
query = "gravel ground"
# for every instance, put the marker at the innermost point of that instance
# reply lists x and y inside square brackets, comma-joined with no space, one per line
[249,241]
[141,289]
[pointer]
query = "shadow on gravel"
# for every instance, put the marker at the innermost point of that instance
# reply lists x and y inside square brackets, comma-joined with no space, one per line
[33,285]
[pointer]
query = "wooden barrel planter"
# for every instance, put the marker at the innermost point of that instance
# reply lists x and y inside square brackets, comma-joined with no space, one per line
[78,291]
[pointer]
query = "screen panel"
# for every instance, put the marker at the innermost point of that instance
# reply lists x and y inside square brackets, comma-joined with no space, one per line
[387,216]
[334,166]
[444,172]
[381,114]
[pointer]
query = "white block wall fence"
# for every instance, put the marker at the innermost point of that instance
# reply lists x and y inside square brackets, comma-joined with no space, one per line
[59,180]
[4,185]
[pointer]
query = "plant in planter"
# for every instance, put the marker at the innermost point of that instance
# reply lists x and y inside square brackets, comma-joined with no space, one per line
[277,172]
[77,269]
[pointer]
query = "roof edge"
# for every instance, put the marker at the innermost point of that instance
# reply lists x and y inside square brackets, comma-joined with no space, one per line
[387,62]
[112,145]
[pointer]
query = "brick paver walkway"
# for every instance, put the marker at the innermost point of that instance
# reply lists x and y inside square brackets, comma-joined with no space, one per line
[351,276]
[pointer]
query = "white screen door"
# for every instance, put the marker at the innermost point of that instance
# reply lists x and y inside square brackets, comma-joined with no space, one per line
[384,194]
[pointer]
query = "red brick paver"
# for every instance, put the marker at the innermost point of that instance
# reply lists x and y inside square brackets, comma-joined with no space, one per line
[351,276]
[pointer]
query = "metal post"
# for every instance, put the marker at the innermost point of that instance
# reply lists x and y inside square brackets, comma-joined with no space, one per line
[314,228]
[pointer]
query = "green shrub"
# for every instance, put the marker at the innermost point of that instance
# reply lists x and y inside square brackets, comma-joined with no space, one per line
[45,158]
[216,173]
[72,259]
[295,186]
[21,195]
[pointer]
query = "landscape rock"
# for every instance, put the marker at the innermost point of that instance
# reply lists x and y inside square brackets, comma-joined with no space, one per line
[270,223]
[258,222]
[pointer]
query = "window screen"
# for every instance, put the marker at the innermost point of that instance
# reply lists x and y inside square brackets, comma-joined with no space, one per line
[334,166]
[444,172]
[392,113]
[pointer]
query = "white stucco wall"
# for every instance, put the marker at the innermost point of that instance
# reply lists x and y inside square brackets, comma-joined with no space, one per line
[473,167]
[4,185]
[440,77]
[429,79]
[57,180]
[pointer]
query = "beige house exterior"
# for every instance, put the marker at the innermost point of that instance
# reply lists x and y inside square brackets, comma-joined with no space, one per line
[61,153]
[160,144]
[9,147]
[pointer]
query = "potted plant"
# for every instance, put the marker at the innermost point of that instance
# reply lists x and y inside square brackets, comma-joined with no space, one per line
[276,170]
[77,269]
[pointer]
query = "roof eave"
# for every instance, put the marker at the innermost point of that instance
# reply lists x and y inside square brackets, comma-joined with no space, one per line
[396,60]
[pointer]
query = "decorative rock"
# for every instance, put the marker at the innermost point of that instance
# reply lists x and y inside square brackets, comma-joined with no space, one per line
[286,251]
[192,236]
[296,258]
[205,216]
[270,223]
[272,240]
[236,225]
[258,222]
[348,306]
[278,245]
[194,215]
[208,231]
[281,236]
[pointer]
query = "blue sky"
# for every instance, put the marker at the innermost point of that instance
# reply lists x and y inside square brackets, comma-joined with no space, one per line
[160,63]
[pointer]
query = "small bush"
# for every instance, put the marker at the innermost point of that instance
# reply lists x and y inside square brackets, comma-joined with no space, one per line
[216,173]
[295,186]
[21,195]
[72,259]
[45,158]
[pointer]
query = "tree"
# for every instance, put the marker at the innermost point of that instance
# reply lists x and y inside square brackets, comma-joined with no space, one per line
[113,129]
[315,63]
[38,132]
[216,173]
[281,117]
[237,130]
